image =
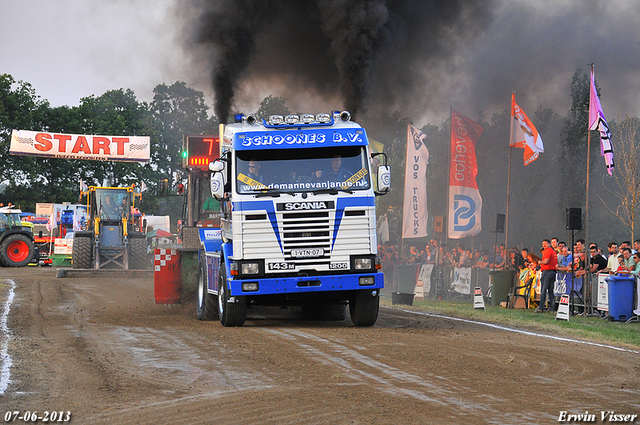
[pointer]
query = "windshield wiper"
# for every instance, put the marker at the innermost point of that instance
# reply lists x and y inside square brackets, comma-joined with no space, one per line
[330,191]
[270,192]
[345,190]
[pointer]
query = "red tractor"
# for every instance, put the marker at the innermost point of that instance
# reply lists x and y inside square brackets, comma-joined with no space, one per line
[16,242]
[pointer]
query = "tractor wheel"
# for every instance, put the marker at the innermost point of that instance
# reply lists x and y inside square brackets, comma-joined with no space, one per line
[206,308]
[82,255]
[137,254]
[16,251]
[363,308]
[232,311]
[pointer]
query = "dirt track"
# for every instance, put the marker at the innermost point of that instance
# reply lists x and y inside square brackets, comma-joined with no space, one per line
[101,349]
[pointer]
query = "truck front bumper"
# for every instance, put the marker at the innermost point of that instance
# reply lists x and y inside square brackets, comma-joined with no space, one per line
[307,284]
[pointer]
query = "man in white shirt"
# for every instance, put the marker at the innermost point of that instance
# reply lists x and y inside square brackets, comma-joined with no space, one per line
[612,260]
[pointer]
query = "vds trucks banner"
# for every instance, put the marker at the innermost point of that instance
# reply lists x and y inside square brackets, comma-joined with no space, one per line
[80,146]
[465,203]
[414,220]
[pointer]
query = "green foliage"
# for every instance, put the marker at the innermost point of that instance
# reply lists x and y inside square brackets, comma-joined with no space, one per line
[177,111]
[627,174]
[539,192]
[573,139]
[271,105]
[115,113]
[20,108]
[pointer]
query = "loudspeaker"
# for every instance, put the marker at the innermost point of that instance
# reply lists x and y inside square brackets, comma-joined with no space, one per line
[574,218]
[500,223]
[438,224]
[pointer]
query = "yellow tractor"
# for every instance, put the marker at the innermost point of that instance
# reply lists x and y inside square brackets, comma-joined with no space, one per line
[112,239]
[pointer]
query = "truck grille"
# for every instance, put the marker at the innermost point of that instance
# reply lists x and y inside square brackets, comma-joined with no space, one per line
[306,231]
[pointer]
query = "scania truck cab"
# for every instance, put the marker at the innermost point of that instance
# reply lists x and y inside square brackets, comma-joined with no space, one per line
[298,222]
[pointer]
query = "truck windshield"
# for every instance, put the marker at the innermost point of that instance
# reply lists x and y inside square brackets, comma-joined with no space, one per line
[303,170]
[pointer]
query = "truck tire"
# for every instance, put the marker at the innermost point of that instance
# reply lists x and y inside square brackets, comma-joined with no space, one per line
[206,308]
[330,313]
[82,255]
[16,250]
[137,254]
[363,308]
[232,311]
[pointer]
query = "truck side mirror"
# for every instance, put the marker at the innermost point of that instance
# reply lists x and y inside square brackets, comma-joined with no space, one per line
[216,166]
[384,179]
[217,185]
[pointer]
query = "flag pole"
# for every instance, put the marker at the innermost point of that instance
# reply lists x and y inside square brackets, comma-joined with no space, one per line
[506,224]
[449,175]
[404,190]
[586,218]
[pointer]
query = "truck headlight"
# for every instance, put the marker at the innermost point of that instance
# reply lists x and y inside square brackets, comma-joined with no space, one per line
[363,263]
[250,268]
[276,119]
[323,118]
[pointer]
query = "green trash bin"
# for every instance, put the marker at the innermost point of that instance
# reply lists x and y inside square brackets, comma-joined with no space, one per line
[501,283]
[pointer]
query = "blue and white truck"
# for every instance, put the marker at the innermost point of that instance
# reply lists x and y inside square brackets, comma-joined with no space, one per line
[298,222]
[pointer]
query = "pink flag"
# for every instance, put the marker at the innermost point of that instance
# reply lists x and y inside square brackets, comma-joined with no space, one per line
[598,122]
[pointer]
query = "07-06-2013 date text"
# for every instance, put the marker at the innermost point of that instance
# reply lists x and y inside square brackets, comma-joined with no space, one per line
[35,416]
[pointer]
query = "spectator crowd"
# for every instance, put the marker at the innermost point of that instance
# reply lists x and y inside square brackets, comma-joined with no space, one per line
[619,258]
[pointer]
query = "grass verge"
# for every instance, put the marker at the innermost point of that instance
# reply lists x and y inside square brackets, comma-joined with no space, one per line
[593,329]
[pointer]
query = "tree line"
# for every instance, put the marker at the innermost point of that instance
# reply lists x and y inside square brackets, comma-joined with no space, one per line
[539,195]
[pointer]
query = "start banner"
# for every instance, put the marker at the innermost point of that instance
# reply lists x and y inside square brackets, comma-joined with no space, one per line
[80,146]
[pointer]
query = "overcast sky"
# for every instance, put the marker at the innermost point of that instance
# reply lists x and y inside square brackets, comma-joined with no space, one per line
[69,49]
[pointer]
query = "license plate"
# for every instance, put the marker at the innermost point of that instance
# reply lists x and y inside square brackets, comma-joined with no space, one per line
[307,253]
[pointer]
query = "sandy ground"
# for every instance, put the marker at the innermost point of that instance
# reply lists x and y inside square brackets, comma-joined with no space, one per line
[99,347]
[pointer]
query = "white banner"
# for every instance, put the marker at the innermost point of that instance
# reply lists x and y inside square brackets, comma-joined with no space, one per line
[79,146]
[414,220]
[603,292]
[424,277]
[462,280]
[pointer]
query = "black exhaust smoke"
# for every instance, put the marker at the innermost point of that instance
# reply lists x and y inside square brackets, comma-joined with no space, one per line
[332,48]
[354,27]
[230,27]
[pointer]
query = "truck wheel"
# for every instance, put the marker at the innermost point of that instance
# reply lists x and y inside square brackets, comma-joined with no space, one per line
[363,308]
[16,251]
[232,311]
[137,253]
[82,255]
[206,308]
